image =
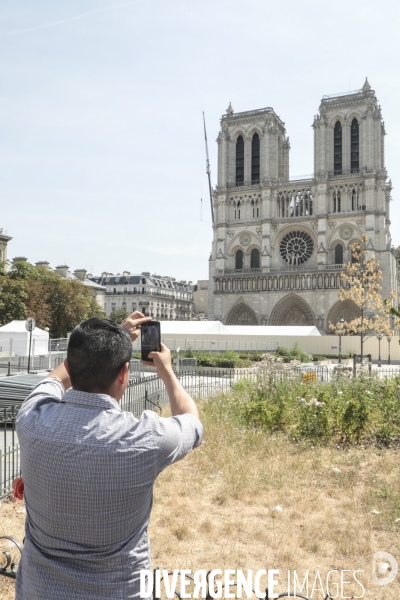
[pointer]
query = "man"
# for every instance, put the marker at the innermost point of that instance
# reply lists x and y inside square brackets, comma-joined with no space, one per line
[89,468]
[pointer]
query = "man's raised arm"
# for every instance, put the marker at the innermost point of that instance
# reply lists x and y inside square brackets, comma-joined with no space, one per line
[180,401]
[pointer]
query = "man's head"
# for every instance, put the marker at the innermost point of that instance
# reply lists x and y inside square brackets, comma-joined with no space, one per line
[98,350]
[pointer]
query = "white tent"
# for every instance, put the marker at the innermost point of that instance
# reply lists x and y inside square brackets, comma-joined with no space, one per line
[217,328]
[14,339]
[300,330]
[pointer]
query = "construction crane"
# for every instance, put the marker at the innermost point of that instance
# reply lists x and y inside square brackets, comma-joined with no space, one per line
[208,169]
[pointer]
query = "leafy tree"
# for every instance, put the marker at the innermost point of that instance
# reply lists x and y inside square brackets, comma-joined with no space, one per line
[13,298]
[362,277]
[119,315]
[54,302]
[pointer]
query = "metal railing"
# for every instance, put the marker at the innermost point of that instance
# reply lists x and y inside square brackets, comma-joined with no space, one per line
[9,450]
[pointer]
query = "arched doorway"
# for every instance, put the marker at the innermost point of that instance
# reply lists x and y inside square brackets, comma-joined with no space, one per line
[346,309]
[242,315]
[292,310]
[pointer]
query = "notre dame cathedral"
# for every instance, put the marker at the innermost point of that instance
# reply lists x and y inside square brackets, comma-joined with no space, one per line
[280,243]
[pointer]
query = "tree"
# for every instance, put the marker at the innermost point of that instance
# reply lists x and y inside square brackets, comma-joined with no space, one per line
[13,298]
[361,278]
[54,302]
[119,315]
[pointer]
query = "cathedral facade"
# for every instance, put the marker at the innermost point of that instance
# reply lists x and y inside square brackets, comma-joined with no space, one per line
[279,244]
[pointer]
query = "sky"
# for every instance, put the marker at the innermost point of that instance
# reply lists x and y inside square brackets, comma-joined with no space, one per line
[102,158]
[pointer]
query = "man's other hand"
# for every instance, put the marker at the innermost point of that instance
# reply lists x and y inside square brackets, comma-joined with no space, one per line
[133,324]
[162,361]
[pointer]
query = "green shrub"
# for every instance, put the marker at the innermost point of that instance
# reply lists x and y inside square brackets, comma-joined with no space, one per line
[345,411]
[294,353]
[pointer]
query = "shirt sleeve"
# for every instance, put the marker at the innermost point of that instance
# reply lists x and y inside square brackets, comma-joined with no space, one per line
[175,437]
[49,387]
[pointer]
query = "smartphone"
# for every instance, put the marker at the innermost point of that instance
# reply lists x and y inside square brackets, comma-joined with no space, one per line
[150,339]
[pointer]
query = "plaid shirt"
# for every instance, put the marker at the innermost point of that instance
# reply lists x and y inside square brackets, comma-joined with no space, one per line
[88,470]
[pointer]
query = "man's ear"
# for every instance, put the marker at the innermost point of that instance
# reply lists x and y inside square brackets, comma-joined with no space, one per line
[123,375]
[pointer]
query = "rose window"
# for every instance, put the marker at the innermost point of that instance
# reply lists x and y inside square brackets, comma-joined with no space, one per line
[296,247]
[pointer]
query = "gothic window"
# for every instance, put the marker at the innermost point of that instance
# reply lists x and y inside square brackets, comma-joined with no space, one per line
[337,201]
[354,200]
[338,254]
[355,146]
[255,158]
[239,259]
[237,211]
[239,160]
[337,149]
[255,259]
[296,247]
[295,203]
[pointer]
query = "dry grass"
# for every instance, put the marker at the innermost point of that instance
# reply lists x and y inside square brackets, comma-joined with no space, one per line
[222,496]
[214,509]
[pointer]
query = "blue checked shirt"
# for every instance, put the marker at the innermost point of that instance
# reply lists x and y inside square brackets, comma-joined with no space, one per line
[88,470]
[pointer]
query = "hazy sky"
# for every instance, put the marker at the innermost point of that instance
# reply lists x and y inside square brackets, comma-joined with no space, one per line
[102,161]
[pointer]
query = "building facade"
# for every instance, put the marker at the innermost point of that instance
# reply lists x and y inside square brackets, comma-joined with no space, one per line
[4,239]
[162,298]
[200,299]
[279,245]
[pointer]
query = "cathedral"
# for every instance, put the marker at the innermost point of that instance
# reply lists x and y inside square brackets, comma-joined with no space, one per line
[280,243]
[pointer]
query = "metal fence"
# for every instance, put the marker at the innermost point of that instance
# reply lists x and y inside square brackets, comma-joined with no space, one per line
[19,364]
[149,393]
[9,450]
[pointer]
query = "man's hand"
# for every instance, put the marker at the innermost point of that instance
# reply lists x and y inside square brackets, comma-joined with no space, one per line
[162,361]
[133,323]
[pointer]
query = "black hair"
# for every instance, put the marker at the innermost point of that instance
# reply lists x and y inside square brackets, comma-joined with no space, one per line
[97,350]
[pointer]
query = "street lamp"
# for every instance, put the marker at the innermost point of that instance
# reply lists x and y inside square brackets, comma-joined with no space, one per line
[340,328]
[389,339]
[379,336]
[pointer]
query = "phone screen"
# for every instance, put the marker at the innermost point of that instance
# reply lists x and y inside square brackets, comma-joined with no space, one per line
[150,338]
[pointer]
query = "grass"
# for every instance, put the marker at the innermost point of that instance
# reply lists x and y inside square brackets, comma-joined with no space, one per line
[214,509]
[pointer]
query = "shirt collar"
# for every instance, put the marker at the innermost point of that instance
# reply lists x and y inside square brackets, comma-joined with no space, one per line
[88,399]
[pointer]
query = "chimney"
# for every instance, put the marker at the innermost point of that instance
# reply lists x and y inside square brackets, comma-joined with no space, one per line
[42,264]
[80,274]
[126,273]
[19,259]
[62,270]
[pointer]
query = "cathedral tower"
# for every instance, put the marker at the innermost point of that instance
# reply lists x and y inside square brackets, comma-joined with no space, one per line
[279,244]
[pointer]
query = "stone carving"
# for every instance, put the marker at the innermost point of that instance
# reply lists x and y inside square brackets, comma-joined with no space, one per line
[242,315]
[332,224]
[345,232]
[360,222]
[314,224]
[296,247]
[245,239]
[346,309]
[275,227]
[292,310]
[230,232]
[259,231]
